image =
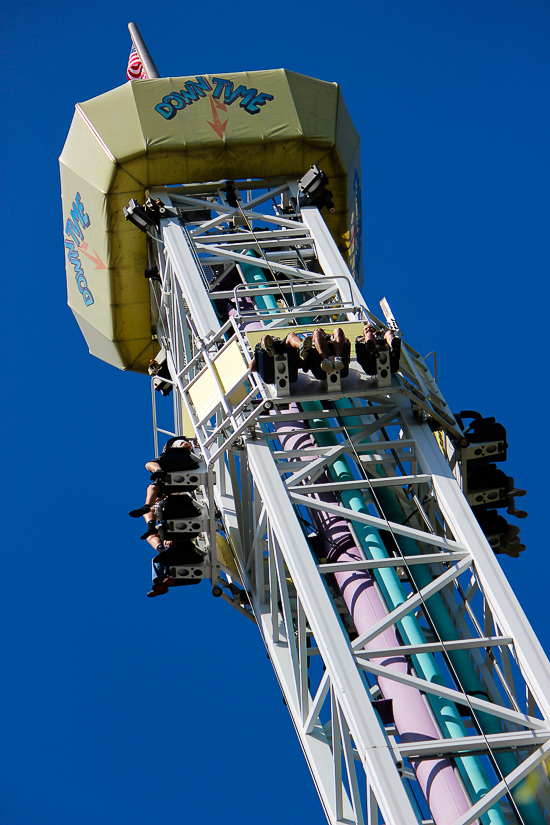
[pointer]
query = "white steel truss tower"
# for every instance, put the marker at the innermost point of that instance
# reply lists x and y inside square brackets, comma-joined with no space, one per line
[352,545]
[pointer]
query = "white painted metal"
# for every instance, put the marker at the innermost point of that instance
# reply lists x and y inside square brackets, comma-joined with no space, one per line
[343,674]
[263,491]
[504,604]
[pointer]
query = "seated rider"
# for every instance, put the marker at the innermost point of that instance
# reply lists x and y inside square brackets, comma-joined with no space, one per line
[503,537]
[375,347]
[319,353]
[482,431]
[486,476]
[372,343]
[171,553]
[373,338]
[329,354]
[170,459]
[272,346]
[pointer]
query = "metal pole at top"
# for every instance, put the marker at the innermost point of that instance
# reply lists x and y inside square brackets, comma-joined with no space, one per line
[146,60]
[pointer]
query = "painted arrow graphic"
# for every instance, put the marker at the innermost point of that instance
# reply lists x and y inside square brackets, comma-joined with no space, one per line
[217,126]
[95,258]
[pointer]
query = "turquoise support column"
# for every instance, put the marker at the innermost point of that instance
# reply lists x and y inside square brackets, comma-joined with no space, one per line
[255,275]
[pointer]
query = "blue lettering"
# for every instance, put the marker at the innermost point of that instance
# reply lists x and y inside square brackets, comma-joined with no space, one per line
[188,95]
[190,92]
[220,85]
[259,100]
[80,278]
[200,85]
[76,218]
[166,110]
[175,99]
[73,257]
[74,230]
[84,218]
[85,292]
[241,91]
[250,101]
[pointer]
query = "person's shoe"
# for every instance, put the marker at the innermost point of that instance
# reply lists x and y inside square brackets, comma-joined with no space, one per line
[151,530]
[500,551]
[268,345]
[512,547]
[326,366]
[307,343]
[141,511]
[516,493]
[396,346]
[339,364]
[158,590]
[517,513]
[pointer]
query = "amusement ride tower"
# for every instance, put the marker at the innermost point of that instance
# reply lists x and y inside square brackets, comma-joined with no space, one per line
[336,513]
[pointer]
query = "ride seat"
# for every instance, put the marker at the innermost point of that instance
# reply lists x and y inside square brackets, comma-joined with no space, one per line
[180,516]
[382,363]
[183,481]
[178,458]
[280,369]
[158,370]
[486,436]
[493,525]
[182,562]
[486,485]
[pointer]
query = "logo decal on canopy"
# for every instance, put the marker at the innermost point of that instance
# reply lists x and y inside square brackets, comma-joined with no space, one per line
[222,94]
[79,221]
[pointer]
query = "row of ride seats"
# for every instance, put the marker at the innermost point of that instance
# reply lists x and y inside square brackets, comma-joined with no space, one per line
[486,487]
[179,517]
[283,368]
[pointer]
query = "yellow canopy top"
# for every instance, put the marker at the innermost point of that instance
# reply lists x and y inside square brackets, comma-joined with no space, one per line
[181,130]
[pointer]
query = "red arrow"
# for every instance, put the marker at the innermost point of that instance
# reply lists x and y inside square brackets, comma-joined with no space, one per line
[217,126]
[96,259]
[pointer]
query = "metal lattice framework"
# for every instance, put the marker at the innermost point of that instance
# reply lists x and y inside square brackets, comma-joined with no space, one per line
[362,456]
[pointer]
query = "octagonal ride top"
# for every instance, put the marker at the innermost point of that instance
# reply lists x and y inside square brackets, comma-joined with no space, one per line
[181,130]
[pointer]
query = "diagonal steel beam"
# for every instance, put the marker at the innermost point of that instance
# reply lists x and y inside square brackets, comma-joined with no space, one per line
[435,647]
[489,742]
[212,249]
[454,696]
[393,561]
[364,483]
[513,778]
[412,603]
[374,521]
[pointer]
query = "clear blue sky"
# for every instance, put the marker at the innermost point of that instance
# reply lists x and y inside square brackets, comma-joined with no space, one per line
[120,709]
